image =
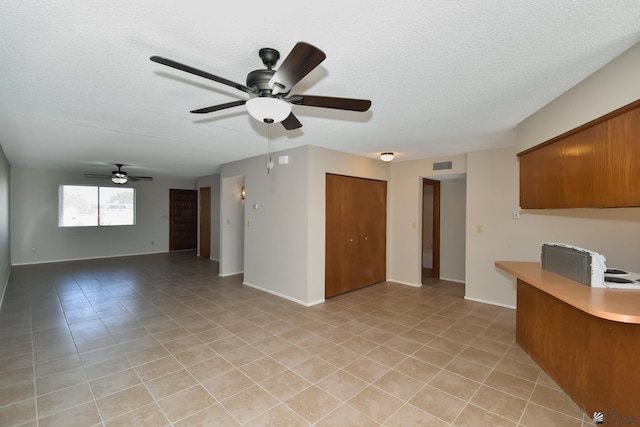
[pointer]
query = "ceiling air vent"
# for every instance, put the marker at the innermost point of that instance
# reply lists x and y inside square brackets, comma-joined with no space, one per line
[438,166]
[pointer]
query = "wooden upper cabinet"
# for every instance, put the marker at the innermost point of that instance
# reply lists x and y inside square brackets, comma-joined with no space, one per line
[596,165]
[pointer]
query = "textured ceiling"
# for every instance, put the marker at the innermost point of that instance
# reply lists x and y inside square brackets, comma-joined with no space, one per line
[78,91]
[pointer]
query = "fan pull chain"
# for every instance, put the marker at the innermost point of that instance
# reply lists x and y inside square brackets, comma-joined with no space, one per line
[269,162]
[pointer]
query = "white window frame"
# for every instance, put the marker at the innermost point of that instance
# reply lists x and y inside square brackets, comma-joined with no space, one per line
[100,211]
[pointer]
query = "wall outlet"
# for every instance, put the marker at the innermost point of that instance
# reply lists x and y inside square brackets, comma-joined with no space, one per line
[516,214]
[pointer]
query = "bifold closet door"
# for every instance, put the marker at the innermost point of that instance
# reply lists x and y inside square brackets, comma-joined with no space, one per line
[356,218]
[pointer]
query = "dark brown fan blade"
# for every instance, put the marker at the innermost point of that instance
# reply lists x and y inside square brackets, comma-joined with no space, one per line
[140,178]
[301,60]
[189,69]
[95,175]
[219,107]
[330,102]
[291,122]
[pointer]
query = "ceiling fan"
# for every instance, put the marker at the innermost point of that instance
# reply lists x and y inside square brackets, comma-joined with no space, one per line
[119,177]
[271,88]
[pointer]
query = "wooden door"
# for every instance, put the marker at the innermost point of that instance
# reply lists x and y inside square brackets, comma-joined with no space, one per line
[356,218]
[370,197]
[205,222]
[183,219]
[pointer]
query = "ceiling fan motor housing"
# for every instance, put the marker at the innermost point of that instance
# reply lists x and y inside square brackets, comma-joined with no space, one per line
[258,80]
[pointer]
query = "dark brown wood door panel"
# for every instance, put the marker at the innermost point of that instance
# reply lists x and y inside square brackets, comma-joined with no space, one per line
[183,219]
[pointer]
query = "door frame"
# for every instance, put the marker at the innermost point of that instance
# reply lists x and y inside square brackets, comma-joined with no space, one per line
[435,184]
[204,201]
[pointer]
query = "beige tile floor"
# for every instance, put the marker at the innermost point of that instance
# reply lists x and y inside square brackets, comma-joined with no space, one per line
[161,340]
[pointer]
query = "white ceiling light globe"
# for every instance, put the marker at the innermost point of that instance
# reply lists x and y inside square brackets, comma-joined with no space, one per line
[267,109]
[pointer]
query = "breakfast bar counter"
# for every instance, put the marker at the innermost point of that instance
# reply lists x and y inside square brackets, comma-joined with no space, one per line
[587,339]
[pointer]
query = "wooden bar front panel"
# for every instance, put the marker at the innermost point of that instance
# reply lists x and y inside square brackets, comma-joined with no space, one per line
[594,360]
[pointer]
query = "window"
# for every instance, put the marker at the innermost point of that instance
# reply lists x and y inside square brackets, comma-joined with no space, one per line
[88,206]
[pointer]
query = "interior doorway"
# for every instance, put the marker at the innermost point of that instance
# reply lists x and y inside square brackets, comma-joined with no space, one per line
[183,219]
[430,229]
[205,222]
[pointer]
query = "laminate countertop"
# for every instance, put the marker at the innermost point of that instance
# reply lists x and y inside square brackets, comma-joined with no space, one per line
[618,305]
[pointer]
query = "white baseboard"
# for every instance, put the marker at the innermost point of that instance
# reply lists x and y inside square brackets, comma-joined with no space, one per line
[400,282]
[6,284]
[230,274]
[452,280]
[281,295]
[490,302]
[87,258]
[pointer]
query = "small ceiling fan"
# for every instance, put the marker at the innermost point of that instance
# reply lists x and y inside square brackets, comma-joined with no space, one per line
[119,177]
[271,88]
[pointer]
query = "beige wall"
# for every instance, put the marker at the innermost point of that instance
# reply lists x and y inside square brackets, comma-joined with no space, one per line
[36,237]
[492,195]
[492,234]
[613,86]
[284,245]
[271,221]
[427,223]
[492,192]
[321,162]
[405,211]
[453,210]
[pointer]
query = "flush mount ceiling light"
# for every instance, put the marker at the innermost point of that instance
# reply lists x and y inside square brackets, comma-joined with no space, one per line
[269,110]
[387,157]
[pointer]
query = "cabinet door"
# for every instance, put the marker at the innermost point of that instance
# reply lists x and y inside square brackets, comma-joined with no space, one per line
[594,166]
[355,254]
[617,169]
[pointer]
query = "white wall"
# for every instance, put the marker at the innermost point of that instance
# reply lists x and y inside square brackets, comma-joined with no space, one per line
[5,248]
[453,212]
[34,220]
[212,181]
[405,212]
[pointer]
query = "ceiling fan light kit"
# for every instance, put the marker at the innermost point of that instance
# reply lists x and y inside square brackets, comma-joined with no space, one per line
[272,103]
[119,179]
[387,156]
[268,110]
